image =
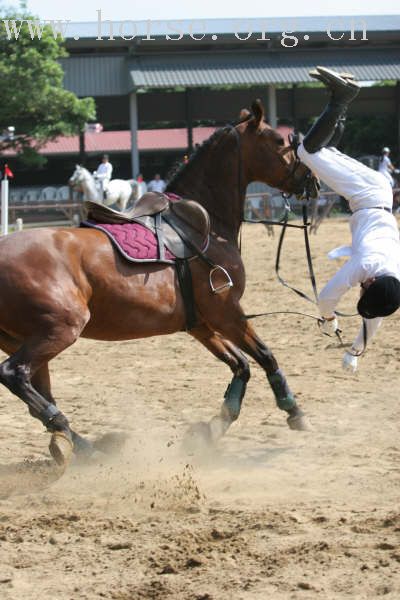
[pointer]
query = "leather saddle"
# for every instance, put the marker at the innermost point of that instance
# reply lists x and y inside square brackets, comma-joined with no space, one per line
[182,225]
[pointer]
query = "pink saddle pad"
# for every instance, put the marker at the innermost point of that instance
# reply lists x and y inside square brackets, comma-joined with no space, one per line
[134,241]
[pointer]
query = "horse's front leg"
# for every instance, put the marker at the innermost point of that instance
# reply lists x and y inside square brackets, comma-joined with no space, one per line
[230,408]
[238,330]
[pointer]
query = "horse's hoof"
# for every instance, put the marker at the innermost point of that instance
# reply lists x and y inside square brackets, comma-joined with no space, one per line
[299,423]
[61,448]
[198,439]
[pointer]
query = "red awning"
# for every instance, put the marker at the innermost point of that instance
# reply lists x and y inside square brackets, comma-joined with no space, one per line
[120,141]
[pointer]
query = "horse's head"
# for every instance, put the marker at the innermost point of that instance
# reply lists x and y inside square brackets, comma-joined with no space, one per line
[77,176]
[267,158]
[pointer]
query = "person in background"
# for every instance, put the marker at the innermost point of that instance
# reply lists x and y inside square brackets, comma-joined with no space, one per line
[142,186]
[157,184]
[385,165]
[104,172]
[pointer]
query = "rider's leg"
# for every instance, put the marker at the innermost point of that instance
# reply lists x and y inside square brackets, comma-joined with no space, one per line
[339,129]
[343,93]
[360,185]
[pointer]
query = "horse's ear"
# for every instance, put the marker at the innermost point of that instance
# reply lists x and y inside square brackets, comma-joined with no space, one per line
[258,111]
[244,114]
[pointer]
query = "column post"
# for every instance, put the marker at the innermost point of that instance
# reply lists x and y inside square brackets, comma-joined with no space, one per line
[133,121]
[272,108]
[189,119]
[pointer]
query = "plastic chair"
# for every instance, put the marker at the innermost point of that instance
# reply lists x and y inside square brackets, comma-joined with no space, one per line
[63,193]
[48,194]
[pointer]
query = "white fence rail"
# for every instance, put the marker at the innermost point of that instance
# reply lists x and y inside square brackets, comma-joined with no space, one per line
[61,205]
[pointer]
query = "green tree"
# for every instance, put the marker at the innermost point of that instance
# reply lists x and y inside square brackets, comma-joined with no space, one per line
[32,97]
[368,135]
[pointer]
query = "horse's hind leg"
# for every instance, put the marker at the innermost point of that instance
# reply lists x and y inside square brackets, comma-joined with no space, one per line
[42,384]
[16,375]
[18,371]
[227,353]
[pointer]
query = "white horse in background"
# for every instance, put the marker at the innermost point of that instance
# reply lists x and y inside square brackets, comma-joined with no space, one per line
[119,191]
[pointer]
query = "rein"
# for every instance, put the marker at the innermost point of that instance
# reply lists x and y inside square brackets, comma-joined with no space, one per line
[285,224]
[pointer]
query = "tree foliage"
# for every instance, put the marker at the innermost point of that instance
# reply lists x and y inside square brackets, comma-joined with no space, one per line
[32,97]
[368,135]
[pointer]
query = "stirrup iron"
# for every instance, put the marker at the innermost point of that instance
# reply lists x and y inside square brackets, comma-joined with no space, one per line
[224,286]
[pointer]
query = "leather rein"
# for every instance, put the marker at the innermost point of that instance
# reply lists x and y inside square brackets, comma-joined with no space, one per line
[284,223]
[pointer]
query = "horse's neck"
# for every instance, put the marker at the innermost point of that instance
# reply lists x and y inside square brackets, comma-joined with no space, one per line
[89,188]
[213,180]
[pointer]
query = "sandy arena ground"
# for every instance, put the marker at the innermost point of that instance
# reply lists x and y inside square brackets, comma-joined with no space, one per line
[272,514]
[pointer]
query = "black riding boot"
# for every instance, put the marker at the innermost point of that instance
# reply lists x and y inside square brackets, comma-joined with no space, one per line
[323,129]
[328,128]
[338,133]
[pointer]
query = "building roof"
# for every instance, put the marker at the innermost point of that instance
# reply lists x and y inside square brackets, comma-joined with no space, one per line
[253,68]
[93,30]
[102,75]
[120,141]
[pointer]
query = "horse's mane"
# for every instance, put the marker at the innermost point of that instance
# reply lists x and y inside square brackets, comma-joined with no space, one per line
[177,170]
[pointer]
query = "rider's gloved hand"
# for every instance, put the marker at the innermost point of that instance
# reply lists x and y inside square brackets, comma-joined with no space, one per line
[350,362]
[329,326]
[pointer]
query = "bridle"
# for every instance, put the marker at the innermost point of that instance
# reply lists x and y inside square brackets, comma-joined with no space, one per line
[76,178]
[294,166]
[232,127]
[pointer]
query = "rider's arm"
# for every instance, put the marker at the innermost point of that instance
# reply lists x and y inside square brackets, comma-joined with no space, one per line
[359,343]
[350,275]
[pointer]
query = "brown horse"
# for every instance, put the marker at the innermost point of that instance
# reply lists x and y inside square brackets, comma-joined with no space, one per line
[59,284]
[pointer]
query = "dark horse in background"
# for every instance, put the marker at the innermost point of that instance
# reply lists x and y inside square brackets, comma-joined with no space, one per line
[59,284]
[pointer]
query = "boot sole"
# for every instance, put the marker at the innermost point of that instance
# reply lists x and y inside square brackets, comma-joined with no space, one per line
[332,77]
[344,75]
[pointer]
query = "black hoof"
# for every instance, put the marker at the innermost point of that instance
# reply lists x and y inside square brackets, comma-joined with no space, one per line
[297,420]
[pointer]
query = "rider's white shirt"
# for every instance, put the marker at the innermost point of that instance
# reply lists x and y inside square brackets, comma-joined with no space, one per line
[104,170]
[384,168]
[384,164]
